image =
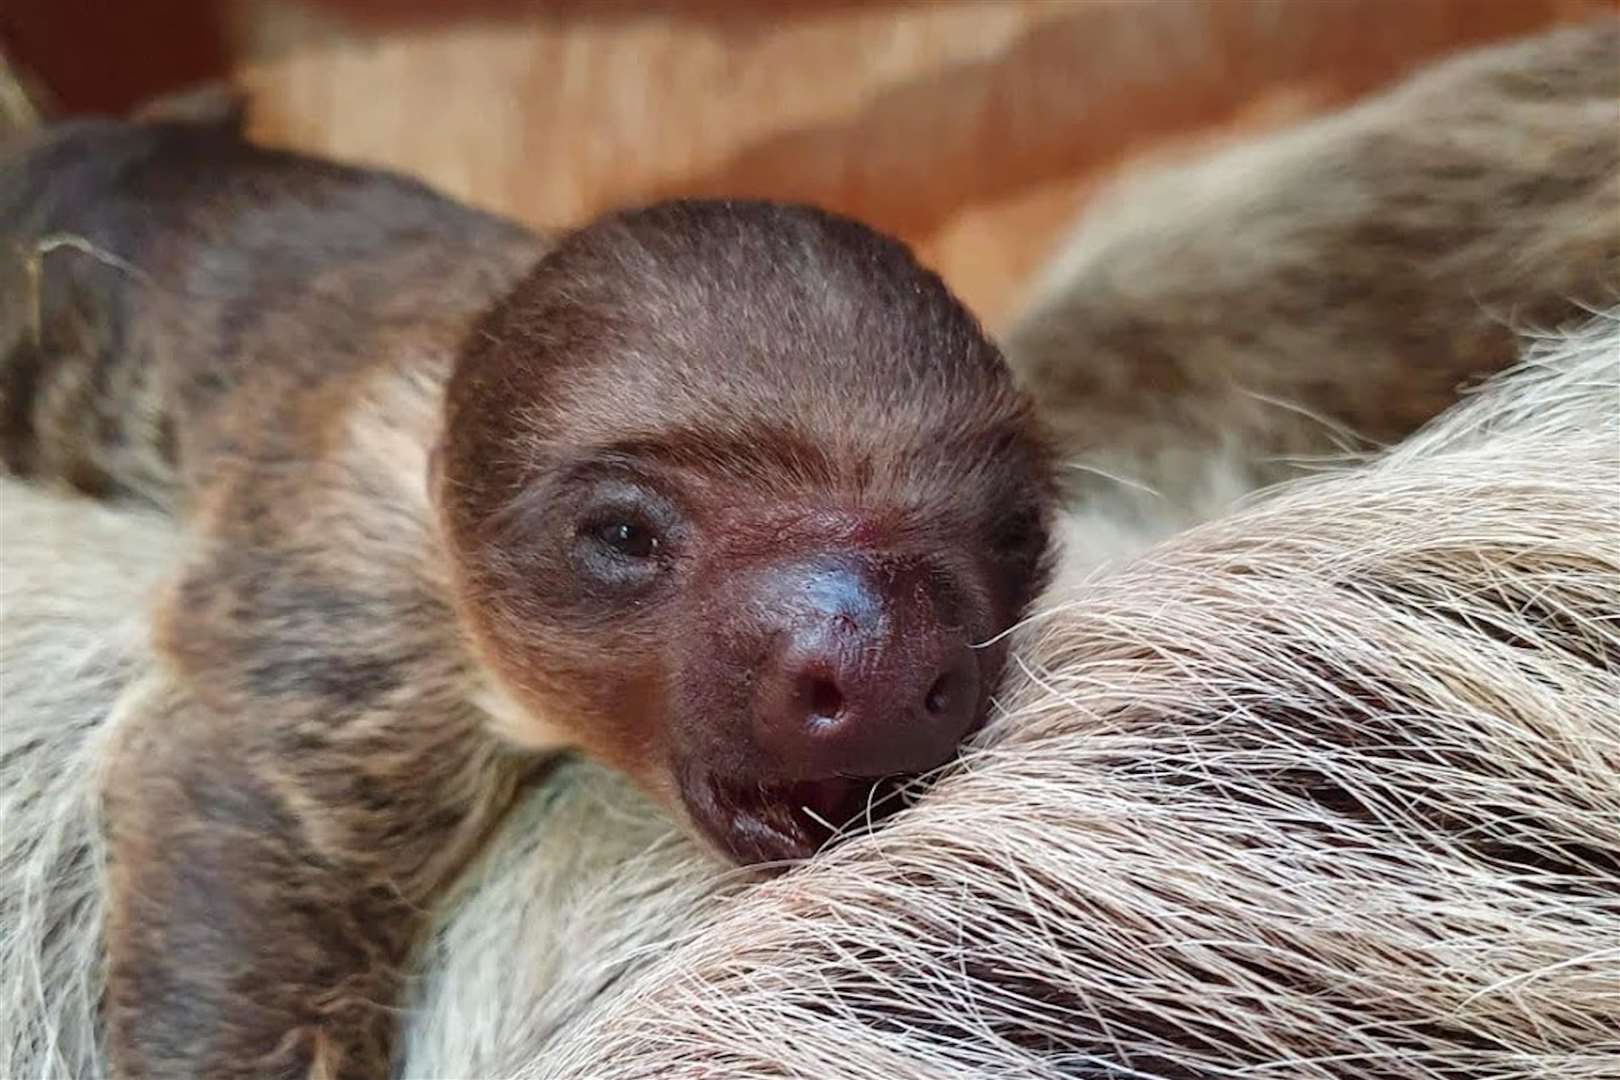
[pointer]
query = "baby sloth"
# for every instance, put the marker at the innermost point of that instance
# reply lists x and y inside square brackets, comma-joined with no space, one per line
[733,496]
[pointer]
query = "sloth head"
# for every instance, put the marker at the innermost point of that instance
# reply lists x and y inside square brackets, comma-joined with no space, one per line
[739,499]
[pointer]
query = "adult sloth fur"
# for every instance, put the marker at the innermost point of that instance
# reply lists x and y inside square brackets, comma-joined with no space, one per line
[74,582]
[1211,321]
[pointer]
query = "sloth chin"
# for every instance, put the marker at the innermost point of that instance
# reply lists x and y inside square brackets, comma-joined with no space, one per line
[755,821]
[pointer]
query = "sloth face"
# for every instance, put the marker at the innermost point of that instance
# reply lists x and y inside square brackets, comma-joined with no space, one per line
[741,499]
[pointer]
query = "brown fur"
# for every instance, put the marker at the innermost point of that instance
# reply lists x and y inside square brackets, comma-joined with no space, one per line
[374,590]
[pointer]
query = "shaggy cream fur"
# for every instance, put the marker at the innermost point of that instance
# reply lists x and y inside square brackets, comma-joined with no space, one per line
[74,581]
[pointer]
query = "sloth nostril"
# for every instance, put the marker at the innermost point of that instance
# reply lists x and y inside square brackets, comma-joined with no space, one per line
[826,701]
[941,695]
[858,674]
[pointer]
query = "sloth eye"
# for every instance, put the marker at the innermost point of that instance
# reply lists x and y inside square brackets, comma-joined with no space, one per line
[625,537]
[629,539]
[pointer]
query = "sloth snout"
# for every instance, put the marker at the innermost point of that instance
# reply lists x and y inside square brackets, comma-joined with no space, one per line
[867,678]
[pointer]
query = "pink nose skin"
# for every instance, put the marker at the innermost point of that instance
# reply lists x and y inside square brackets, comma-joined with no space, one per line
[868,676]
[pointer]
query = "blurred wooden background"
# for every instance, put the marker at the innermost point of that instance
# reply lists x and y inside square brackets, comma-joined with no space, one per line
[973,128]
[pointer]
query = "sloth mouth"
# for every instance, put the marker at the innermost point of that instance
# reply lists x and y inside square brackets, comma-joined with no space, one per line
[754,821]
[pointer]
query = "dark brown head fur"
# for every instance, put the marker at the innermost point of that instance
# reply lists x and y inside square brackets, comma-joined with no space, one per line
[769,408]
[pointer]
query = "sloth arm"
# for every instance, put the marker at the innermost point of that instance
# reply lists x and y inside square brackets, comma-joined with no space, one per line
[257,342]
[264,907]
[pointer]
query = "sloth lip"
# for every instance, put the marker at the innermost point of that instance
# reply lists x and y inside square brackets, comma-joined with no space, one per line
[754,821]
